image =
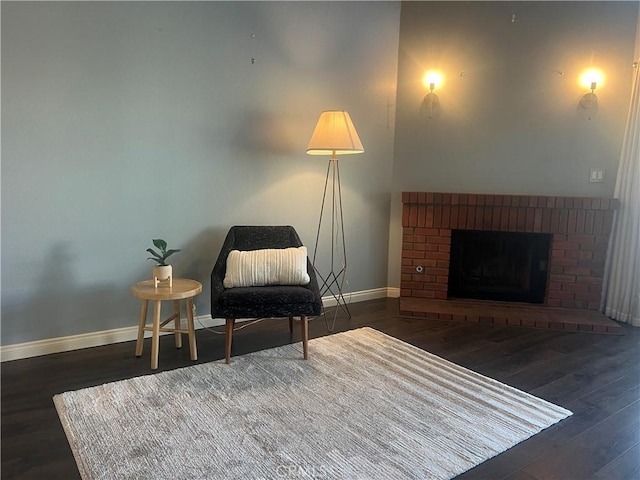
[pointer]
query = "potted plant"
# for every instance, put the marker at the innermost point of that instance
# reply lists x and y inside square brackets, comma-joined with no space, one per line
[161,271]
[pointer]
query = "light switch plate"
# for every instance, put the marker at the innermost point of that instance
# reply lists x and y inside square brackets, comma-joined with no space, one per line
[596,175]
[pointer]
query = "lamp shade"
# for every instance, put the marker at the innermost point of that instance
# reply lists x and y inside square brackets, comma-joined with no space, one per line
[334,134]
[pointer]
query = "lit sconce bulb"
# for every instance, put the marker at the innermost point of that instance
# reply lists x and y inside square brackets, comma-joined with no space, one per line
[590,79]
[431,103]
[432,80]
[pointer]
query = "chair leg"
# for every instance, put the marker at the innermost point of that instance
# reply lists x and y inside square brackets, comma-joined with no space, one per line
[228,339]
[290,324]
[305,336]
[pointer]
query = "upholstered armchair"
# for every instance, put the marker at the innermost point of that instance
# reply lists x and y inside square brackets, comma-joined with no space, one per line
[240,287]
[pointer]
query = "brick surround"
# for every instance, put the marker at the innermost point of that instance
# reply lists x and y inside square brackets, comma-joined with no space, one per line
[580,229]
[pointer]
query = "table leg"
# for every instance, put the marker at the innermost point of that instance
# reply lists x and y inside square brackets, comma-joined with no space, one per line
[178,323]
[141,324]
[155,338]
[192,332]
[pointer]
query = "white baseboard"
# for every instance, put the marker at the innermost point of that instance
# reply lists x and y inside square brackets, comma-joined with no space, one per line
[364,295]
[127,334]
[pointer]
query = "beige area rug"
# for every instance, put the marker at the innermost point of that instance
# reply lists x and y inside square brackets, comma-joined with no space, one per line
[364,406]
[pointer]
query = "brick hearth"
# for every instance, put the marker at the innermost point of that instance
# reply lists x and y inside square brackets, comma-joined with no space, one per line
[580,229]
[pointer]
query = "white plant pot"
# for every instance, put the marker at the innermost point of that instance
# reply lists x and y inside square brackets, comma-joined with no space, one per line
[162,273]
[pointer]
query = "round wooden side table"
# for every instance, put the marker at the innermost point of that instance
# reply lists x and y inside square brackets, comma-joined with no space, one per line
[181,289]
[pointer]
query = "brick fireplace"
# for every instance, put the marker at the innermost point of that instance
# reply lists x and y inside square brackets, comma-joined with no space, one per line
[579,229]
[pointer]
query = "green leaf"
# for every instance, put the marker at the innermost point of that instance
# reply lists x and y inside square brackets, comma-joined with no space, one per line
[170,252]
[161,244]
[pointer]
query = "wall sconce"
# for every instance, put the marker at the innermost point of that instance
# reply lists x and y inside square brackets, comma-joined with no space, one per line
[591,79]
[431,104]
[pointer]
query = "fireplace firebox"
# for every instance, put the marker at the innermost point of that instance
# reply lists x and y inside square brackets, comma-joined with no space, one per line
[499,266]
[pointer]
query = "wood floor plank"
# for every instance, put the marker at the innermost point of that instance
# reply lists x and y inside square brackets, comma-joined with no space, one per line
[623,467]
[592,450]
[590,378]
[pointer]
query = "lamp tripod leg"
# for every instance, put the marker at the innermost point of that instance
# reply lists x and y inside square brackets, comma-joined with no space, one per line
[333,282]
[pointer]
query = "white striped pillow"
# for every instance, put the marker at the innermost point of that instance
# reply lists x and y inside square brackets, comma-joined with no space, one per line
[271,266]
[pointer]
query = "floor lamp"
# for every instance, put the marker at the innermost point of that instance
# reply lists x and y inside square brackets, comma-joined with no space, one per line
[334,135]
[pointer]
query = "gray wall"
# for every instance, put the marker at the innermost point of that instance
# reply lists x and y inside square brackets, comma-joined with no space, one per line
[509,121]
[123,122]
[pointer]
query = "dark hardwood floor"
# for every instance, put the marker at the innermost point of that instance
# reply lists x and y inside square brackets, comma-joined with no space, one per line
[594,375]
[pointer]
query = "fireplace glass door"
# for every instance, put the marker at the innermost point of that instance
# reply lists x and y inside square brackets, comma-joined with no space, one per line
[502,266]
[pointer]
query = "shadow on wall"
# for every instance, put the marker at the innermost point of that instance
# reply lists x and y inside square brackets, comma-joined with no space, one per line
[59,306]
[196,260]
[262,134]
